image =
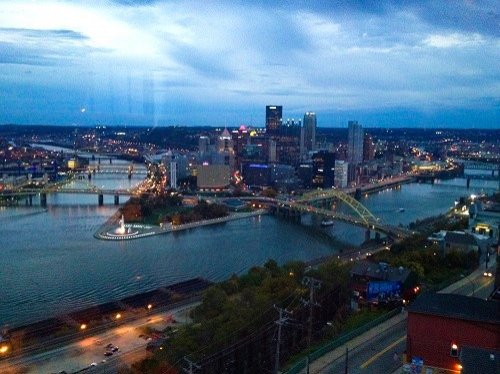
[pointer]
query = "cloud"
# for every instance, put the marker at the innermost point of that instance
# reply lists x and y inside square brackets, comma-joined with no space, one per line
[454,40]
[322,56]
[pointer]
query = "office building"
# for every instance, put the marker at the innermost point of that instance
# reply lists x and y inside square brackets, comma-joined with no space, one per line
[173,175]
[368,148]
[203,144]
[323,163]
[309,131]
[355,143]
[288,143]
[273,119]
[341,173]
[212,177]
[257,175]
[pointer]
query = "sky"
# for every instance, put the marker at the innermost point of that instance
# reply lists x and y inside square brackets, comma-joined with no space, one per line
[426,63]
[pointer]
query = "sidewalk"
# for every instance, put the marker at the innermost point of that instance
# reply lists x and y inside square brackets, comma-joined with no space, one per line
[318,365]
[322,362]
[468,279]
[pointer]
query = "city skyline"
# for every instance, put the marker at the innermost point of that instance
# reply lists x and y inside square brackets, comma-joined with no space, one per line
[159,63]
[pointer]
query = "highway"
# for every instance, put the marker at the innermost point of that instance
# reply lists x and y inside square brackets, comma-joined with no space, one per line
[81,354]
[383,353]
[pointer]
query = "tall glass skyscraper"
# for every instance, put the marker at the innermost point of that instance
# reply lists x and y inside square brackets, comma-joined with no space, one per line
[274,116]
[309,131]
[355,143]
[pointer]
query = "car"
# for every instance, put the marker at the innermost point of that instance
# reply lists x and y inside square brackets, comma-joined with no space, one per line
[109,346]
[488,274]
[93,364]
[114,349]
[108,353]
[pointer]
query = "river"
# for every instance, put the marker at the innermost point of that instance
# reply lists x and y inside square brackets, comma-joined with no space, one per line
[50,263]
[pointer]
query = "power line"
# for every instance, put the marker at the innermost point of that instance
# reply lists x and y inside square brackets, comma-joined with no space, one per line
[283,318]
[191,366]
[313,284]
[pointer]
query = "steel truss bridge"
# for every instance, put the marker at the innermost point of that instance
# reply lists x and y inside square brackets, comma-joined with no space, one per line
[317,202]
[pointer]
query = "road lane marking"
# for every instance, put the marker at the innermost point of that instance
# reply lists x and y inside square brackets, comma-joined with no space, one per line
[390,346]
[480,288]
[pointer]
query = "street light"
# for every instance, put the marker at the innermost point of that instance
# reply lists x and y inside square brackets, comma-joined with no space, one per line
[4,349]
[83,326]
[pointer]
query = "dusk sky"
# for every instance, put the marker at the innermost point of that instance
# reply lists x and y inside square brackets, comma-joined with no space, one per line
[157,63]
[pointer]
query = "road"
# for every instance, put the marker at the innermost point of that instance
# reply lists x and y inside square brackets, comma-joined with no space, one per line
[80,354]
[378,354]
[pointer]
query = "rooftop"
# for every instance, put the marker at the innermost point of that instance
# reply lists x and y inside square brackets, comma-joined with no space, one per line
[457,306]
[381,271]
[479,361]
[460,238]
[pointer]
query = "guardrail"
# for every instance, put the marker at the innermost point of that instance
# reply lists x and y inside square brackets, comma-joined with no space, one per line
[339,341]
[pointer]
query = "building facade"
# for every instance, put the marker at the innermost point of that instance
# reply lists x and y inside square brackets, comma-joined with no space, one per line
[274,115]
[309,131]
[440,325]
[323,164]
[355,143]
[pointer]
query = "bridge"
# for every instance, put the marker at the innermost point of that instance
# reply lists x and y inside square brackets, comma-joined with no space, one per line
[318,202]
[29,193]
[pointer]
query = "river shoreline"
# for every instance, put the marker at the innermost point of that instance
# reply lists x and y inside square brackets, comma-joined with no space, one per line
[106,231]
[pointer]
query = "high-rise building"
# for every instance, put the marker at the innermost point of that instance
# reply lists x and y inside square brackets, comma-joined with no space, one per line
[323,169]
[274,116]
[341,172]
[203,144]
[309,131]
[355,143]
[173,175]
[288,143]
[368,148]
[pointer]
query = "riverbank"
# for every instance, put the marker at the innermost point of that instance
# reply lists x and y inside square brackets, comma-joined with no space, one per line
[61,330]
[137,230]
[379,186]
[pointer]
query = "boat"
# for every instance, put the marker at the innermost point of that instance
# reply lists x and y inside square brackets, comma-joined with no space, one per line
[327,222]
[401,210]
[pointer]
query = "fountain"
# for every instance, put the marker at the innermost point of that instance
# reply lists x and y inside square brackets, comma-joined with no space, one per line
[121,230]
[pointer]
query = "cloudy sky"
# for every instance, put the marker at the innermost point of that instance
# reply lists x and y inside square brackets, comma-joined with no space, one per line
[125,62]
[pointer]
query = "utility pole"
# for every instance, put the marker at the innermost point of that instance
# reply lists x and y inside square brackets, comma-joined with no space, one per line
[313,284]
[346,360]
[191,366]
[280,322]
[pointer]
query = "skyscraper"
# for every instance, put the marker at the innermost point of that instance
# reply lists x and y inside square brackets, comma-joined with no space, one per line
[309,131]
[274,116]
[323,169]
[368,148]
[355,143]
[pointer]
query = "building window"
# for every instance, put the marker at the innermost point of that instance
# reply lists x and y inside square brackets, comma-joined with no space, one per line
[454,350]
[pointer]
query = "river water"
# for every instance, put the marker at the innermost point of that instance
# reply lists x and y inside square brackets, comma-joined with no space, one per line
[50,263]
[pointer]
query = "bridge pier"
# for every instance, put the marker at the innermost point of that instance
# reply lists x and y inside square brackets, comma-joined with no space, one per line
[468,182]
[129,175]
[43,200]
[117,199]
[357,194]
[30,199]
[110,161]
[100,199]
[90,175]
[377,236]
[367,235]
